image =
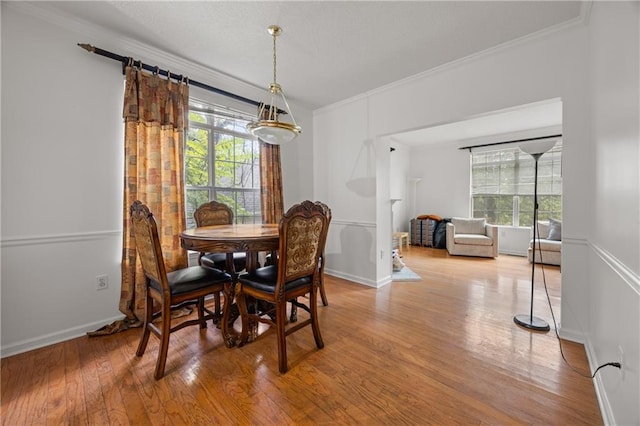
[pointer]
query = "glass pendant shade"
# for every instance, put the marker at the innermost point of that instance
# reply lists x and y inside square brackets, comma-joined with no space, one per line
[273,132]
[269,128]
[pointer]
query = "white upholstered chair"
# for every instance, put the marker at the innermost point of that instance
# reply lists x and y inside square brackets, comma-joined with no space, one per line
[472,237]
[549,249]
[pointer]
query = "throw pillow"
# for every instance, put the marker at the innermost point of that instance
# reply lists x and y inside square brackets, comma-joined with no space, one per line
[543,230]
[429,216]
[555,230]
[468,226]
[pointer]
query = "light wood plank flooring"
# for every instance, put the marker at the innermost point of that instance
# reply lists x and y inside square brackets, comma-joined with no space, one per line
[444,350]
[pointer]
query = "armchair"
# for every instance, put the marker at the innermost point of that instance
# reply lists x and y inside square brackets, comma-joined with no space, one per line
[548,247]
[472,237]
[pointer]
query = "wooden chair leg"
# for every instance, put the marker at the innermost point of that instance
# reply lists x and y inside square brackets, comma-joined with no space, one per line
[293,317]
[323,294]
[164,342]
[148,318]
[313,306]
[241,302]
[281,315]
[216,304]
[203,323]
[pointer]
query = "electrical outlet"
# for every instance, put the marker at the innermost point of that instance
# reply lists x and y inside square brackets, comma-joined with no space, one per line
[102,282]
[621,361]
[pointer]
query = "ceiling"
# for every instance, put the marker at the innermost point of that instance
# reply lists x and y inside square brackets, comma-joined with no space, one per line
[329,50]
[333,50]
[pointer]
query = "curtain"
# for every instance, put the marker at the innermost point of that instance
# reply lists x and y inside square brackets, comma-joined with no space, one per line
[270,183]
[156,116]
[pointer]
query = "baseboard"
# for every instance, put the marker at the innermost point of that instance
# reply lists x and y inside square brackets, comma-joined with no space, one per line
[571,335]
[353,278]
[601,393]
[513,253]
[53,338]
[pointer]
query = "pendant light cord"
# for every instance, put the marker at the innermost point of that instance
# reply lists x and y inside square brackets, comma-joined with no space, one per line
[275,34]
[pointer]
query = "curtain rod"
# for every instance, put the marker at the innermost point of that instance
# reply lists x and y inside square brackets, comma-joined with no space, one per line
[514,141]
[125,60]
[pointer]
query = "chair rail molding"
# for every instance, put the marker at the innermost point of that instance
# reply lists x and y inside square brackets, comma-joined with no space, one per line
[29,240]
[627,275]
[347,222]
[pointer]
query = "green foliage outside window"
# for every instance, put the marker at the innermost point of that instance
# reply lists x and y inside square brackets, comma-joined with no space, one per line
[503,185]
[222,164]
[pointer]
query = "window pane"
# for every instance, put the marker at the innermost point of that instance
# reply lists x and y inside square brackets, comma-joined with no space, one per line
[224,174]
[196,155]
[197,117]
[501,175]
[194,199]
[222,162]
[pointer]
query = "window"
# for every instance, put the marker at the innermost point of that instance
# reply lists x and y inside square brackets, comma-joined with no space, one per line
[222,163]
[502,185]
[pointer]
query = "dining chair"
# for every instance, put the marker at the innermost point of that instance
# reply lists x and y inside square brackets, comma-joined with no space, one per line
[216,213]
[170,290]
[293,315]
[303,231]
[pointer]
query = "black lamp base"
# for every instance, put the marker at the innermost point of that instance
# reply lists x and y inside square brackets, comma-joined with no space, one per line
[531,322]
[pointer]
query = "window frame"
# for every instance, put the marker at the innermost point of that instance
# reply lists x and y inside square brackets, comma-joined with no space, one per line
[495,188]
[212,113]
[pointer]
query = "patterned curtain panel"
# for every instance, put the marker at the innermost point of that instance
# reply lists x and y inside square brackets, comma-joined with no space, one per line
[270,183]
[156,116]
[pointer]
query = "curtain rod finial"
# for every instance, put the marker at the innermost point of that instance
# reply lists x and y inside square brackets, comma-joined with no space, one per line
[87,47]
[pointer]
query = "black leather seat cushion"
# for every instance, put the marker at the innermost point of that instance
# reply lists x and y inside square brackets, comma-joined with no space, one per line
[264,279]
[192,278]
[219,261]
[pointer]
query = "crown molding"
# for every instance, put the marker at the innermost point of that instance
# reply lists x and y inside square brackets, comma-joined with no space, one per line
[483,54]
[585,11]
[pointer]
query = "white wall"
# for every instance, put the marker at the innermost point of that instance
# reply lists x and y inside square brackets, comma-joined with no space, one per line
[400,188]
[444,188]
[61,171]
[614,255]
[345,176]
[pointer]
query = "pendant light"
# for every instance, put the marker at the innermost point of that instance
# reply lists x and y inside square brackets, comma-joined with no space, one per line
[269,128]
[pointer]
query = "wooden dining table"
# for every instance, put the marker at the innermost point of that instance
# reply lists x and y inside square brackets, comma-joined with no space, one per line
[248,238]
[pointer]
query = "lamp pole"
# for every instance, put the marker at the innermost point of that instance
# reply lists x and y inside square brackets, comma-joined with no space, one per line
[529,321]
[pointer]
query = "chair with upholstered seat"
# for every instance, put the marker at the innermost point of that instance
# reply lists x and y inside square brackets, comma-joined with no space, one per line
[303,232]
[170,290]
[471,237]
[216,213]
[323,295]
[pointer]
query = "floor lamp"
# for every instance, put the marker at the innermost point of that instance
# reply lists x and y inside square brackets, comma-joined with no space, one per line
[535,149]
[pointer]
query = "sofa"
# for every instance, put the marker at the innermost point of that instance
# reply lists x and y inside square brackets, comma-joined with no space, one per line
[549,250]
[472,237]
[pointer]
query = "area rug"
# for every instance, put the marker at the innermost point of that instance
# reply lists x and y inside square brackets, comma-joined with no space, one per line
[405,274]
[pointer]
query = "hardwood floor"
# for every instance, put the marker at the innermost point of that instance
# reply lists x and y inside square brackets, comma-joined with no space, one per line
[444,350]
